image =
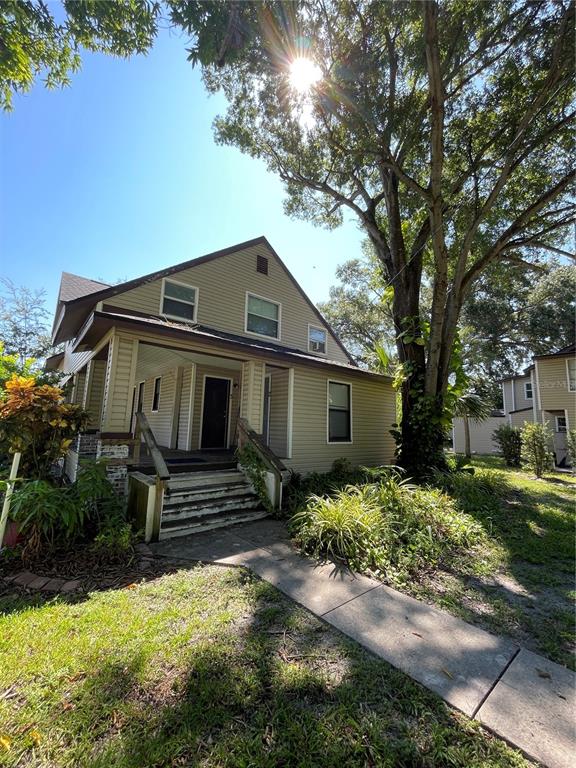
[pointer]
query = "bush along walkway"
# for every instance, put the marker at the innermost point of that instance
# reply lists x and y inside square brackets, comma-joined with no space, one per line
[521,696]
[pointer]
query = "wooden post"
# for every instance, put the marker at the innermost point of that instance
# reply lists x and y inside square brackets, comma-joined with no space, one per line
[8,495]
[158,502]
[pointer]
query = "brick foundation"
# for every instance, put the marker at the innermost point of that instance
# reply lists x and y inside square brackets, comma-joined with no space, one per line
[117,473]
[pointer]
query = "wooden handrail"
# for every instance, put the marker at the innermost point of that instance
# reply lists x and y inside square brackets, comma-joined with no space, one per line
[143,430]
[268,457]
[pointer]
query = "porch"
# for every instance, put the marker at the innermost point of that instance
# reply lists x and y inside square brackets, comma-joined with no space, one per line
[169,420]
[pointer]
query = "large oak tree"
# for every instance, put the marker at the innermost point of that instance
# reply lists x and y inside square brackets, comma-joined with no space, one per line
[443,128]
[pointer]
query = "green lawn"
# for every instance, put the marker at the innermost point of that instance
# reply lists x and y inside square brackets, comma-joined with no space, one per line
[521,582]
[211,667]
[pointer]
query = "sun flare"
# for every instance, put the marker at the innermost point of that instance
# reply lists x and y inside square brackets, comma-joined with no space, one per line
[304,74]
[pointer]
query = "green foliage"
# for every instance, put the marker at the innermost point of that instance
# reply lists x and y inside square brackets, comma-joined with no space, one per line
[114,543]
[255,469]
[298,489]
[11,365]
[49,516]
[474,492]
[507,438]
[390,527]
[571,445]
[536,455]
[34,44]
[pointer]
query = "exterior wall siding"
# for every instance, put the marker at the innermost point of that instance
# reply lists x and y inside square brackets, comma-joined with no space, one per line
[521,400]
[279,412]
[95,392]
[222,285]
[553,388]
[480,434]
[519,418]
[373,413]
[184,419]
[161,420]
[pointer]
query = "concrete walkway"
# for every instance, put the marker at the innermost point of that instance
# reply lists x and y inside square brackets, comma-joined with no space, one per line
[523,697]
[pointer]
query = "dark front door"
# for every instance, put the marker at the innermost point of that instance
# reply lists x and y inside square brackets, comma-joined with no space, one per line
[215,412]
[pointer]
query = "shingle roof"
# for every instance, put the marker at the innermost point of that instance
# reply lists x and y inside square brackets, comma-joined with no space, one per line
[203,333]
[75,287]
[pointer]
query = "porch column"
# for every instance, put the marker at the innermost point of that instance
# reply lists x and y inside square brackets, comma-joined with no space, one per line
[252,398]
[94,391]
[119,384]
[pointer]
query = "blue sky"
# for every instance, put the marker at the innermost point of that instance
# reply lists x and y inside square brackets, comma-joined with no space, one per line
[118,175]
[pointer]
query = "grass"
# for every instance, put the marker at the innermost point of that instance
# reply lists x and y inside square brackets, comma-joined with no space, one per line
[211,667]
[520,580]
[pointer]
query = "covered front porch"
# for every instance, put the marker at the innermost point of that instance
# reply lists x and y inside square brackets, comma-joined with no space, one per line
[191,396]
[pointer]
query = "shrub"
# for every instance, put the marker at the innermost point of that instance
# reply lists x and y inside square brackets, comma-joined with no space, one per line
[508,440]
[51,516]
[390,527]
[536,453]
[35,420]
[571,445]
[342,474]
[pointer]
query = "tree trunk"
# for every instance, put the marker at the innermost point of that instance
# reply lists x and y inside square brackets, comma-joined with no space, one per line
[467,449]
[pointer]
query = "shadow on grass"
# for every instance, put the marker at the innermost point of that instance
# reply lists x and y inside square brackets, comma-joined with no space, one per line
[278,688]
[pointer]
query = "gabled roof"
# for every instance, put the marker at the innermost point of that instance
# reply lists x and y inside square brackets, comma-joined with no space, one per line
[72,312]
[564,352]
[75,287]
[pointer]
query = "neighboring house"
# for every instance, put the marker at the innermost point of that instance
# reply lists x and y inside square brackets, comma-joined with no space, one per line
[545,392]
[225,345]
[480,433]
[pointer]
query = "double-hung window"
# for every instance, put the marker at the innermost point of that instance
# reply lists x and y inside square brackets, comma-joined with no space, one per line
[528,390]
[316,340]
[339,413]
[262,316]
[178,300]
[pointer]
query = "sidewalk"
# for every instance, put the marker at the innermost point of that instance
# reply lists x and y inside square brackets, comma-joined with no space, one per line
[523,697]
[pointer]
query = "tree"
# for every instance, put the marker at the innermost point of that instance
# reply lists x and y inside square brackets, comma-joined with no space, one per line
[470,405]
[512,314]
[443,128]
[23,316]
[359,308]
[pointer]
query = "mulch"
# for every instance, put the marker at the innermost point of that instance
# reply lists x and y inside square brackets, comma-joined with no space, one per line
[80,572]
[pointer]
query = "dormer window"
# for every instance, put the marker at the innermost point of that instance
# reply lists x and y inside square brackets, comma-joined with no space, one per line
[316,340]
[178,301]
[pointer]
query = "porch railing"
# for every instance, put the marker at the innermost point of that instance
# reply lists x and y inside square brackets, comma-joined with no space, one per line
[245,435]
[142,431]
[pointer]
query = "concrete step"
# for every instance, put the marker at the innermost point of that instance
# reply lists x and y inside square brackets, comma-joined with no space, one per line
[209,507]
[210,521]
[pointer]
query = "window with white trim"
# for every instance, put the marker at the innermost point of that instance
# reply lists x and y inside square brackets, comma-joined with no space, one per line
[316,340]
[156,395]
[262,316]
[571,366]
[178,300]
[528,390]
[339,413]
[561,425]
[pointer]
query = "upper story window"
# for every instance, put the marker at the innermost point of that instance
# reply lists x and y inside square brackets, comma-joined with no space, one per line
[178,300]
[528,390]
[262,316]
[571,369]
[316,340]
[339,412]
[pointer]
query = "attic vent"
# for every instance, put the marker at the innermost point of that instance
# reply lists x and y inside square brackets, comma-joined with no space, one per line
[262,264]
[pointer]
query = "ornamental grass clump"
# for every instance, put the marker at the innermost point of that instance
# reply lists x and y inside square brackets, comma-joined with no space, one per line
[390,527]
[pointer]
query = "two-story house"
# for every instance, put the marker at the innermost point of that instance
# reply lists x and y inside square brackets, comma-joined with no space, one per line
[545,392]
[222,348]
